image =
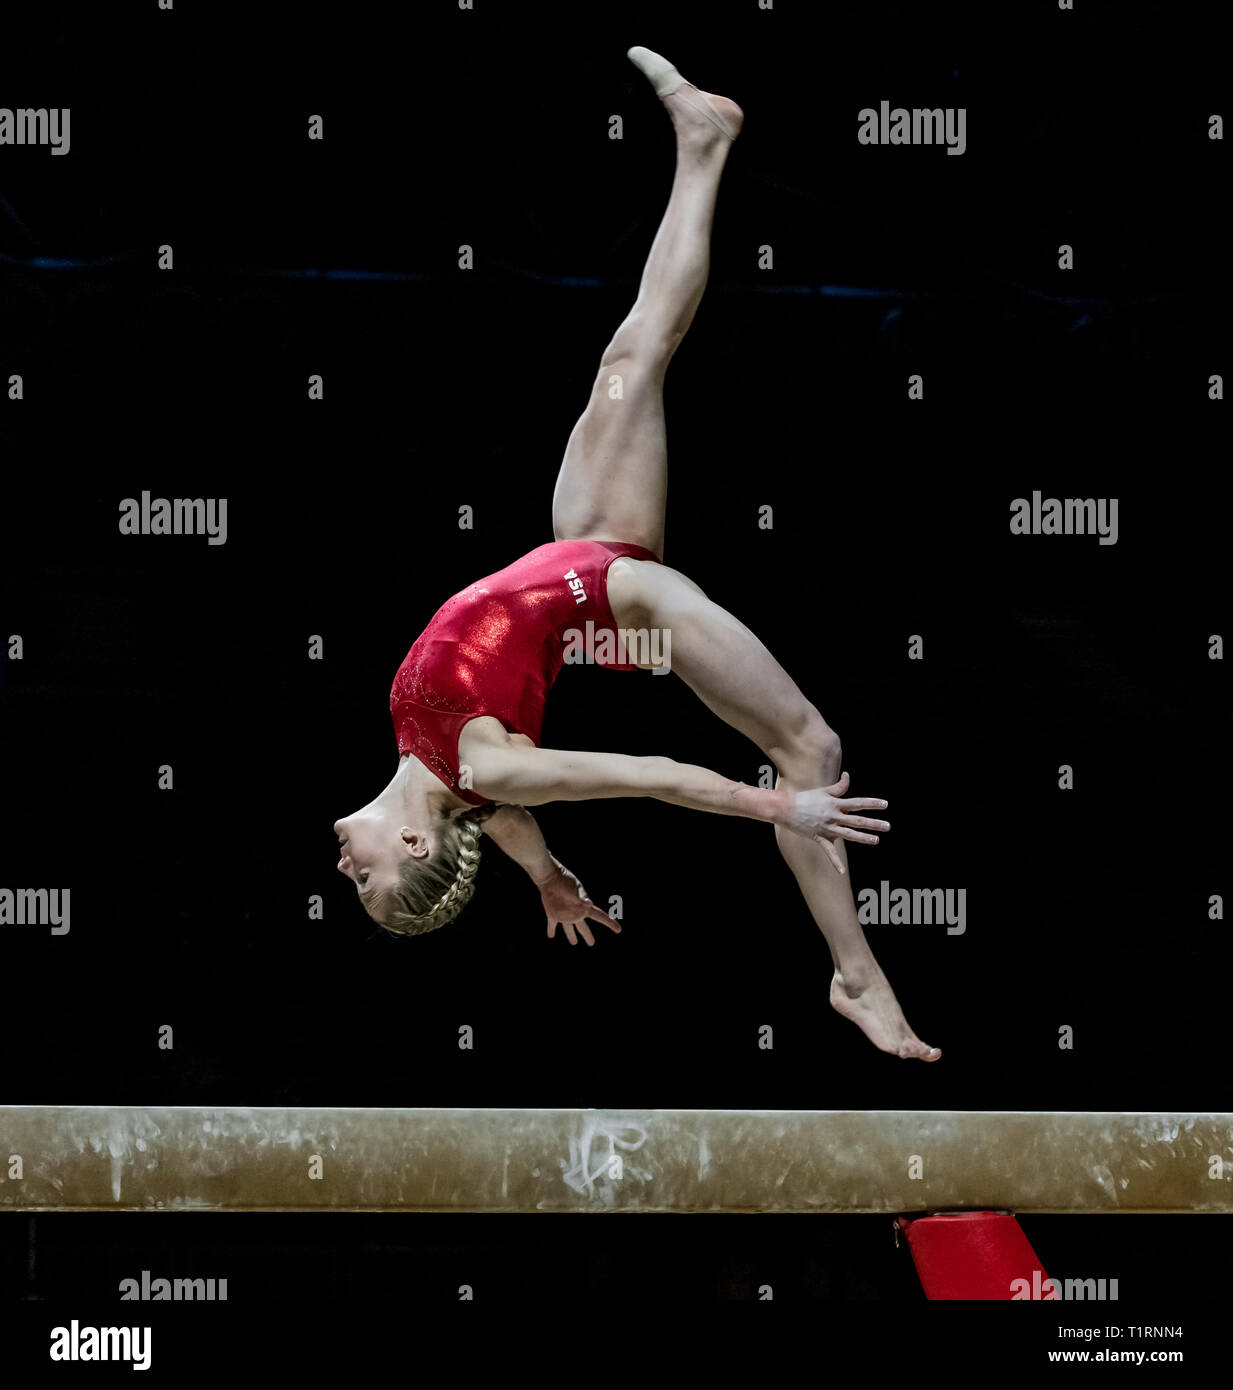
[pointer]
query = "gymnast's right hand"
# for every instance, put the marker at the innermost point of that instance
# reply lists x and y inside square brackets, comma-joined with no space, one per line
[567,905]
[824,814]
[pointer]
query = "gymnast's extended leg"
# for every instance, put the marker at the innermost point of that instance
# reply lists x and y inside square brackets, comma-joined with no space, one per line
[613,481]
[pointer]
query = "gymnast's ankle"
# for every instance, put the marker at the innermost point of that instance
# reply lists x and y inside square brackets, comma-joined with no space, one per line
[855,978]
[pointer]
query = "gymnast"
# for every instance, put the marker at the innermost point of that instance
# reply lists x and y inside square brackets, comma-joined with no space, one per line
[468,700]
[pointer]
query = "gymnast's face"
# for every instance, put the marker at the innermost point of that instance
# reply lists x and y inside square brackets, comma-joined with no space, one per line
[374,846]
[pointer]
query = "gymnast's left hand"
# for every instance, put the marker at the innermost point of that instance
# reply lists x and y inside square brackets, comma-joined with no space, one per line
[567,905]
[825,814]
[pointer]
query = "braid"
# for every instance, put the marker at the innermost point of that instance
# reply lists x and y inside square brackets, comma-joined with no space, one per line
[430,894]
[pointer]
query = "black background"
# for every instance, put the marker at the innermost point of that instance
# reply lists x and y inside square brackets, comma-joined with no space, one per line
[1086,908]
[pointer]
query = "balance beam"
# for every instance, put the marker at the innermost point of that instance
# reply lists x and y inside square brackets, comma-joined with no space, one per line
[157,1158]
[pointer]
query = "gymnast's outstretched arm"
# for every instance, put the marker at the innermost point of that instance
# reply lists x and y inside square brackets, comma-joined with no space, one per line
[534,776]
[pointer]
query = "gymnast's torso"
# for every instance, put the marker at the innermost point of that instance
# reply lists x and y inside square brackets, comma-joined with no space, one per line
[495,648]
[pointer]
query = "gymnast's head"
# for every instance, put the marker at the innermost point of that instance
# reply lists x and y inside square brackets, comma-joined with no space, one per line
[410,880]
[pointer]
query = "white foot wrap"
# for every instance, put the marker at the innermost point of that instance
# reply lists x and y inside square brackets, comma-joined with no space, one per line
[667,81]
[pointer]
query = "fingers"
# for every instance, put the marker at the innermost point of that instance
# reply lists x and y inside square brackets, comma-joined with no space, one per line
[596,916]
[862,822]
[862,803]
[838,788]
[833,853]
[841,831]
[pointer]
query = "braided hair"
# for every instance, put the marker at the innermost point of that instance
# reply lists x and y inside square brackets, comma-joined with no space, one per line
[432,892]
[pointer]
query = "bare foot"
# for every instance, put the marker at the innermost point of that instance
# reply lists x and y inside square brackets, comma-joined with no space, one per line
[872,1006]
[694,124]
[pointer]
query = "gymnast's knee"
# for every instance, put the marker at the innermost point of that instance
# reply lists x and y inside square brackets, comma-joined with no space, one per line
[813,756]
[642,340]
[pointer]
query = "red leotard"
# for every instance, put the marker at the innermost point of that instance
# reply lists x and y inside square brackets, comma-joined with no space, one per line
[496,648]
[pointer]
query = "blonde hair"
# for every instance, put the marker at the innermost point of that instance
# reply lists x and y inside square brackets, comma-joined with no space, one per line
[434,891]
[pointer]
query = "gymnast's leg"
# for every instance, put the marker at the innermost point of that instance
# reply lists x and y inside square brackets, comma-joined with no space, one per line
[613,481]
[613,486]
[736,676]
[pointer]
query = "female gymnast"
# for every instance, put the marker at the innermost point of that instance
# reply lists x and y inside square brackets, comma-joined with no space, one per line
[468,701]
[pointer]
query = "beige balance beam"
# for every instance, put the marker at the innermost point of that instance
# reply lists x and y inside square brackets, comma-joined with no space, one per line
[180,1158]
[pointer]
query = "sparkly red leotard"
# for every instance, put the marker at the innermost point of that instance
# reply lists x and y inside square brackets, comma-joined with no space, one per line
[496,648]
